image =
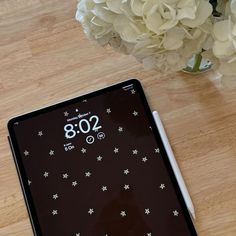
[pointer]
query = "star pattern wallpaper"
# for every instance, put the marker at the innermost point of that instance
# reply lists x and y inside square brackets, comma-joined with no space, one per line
[94,168]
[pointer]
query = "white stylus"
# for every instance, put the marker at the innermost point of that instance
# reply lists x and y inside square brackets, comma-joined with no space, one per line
[174,164]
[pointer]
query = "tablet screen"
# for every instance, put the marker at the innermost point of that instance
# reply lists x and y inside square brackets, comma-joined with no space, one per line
[94,167]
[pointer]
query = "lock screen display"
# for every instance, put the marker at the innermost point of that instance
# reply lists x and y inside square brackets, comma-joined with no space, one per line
[94,168]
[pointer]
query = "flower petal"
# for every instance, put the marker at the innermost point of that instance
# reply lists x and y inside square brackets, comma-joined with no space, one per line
[221,30]
[102,13]
[223,49]
[127,30]
[137,7]
[233,6]
[203,12]
[154,22]
[174,39]
[114,5]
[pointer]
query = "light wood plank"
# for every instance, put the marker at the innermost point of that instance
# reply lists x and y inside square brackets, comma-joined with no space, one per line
[45,58]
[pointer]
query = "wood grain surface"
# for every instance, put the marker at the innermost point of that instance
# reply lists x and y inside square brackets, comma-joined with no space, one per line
[45,58]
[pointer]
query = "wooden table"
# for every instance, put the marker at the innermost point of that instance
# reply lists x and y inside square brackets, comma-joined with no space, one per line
[45,58]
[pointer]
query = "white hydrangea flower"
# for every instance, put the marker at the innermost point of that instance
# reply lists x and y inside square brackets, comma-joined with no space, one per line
[162,34]
[224,47]
[225,39]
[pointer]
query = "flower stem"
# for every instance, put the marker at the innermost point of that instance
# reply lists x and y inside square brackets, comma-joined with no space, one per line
[197,62]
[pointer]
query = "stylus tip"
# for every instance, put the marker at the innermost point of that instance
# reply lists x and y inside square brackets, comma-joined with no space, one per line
[193,215]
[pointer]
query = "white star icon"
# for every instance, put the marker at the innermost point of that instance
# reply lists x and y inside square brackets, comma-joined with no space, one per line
[91,211]
[40,133]
[162,186]
[45,174]
[126,172]
[99,158]
[66,113]
[144,159]
[133,91]
[74,183]
[51,152]
[135,152]
[83,150]
[147,211]
[135,113]
[120,129]
[126,187]
[26,153]
[116,150]
[55,196]
[157,150]
[104,188]
[76,110]
[77,234]
[87,174]
[65,176]
[108,110]
[149,234]
[175,213]
[54,212]
[123,213]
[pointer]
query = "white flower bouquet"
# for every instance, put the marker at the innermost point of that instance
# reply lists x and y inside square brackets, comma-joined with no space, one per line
[164,34]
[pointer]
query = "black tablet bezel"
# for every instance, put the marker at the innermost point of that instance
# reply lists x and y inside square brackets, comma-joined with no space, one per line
[20,167]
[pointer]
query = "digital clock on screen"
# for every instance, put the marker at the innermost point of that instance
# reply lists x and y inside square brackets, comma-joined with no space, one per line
[84,126]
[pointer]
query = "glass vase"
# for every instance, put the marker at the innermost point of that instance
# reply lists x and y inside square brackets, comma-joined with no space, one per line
[197,64]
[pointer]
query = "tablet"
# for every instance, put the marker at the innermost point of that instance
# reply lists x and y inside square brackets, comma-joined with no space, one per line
[95,165]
